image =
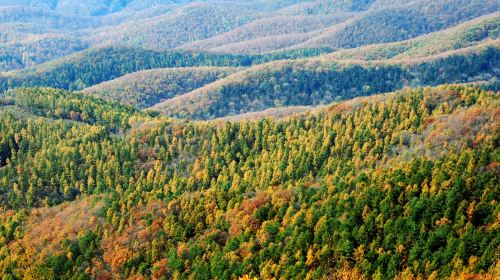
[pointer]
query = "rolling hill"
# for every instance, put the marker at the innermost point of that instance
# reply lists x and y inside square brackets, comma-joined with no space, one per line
[281,32]
[405,182]
[145,88]
[36,49]
[476,31]
[400,22]
[173,29]
[325,7]
[96,65]
[343,24]
[107,7]
[321,81]
[289,83]
[81,8]
[249,139]
[46,18]
[238,27]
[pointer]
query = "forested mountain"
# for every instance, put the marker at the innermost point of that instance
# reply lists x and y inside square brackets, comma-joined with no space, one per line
[146,88]
[106,7]
[250,27]
[45,18]
[37,49]
[281,32]
[102,64]
[322,81]
[318,81]
[401,22]
[174,29]
[97,65]
[83,8]
[322,7]
[402,185]
[344,24]
[249,139]
[483,30]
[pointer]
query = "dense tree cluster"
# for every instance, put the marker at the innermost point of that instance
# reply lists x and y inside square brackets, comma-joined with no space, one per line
[36,50]
[484,30]
[317,81]
[403,185]
[401,22]
[241,27]
[189,23]
[145,88]
[267,34]
[386,186]
[98,65]
[60,104]
[344,24]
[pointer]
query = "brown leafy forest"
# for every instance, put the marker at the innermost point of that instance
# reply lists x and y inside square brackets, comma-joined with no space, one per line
[260,139]
[398,185]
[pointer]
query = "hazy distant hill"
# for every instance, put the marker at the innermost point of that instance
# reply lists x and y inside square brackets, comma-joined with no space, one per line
[37,49]
[343,24]
[485,29]
[86,8]
[401,22]
[46,18]
[105,7]
[186,24]
[267,34]
[258,88]
[250,27]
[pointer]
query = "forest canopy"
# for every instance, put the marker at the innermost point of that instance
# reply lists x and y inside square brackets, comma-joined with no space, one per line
[392,185]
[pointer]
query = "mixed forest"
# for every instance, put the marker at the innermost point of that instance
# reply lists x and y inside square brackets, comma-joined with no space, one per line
[283,139]
[403,184]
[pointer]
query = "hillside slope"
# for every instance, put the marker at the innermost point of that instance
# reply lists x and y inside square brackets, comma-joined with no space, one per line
[237,27]
[188,23]
[321,81]
[402,185]
[477,31]
[146,88]
[344,24]
[96,65]
[281,32]
[400,22]
[37,49]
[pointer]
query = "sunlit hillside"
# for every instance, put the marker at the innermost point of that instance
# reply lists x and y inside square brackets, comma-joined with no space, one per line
[249,139]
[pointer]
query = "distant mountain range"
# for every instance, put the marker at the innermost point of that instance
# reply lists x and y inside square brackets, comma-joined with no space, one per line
[333,50]
[26,27]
